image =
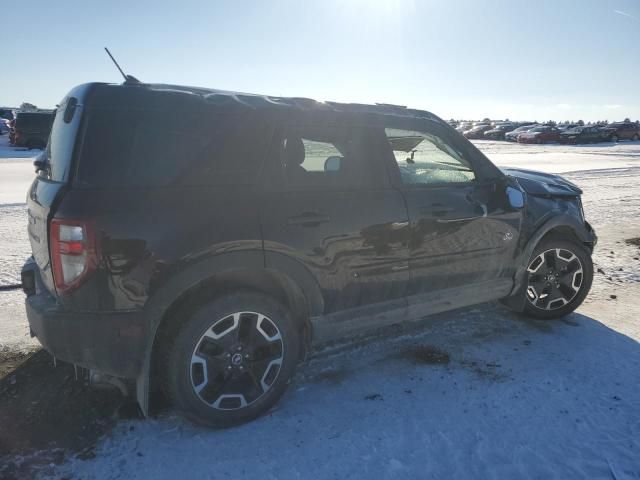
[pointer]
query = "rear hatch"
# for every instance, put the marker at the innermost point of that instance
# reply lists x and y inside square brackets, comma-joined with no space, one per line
[52,178]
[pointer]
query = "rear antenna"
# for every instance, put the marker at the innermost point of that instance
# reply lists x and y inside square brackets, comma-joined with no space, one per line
[128,79]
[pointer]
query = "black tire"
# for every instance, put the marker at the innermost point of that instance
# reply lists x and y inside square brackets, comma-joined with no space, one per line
[635,137]
[578,270]
[613,138]
[183,376]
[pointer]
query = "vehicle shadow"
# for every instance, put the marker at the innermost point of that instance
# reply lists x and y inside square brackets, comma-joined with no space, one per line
[476,393]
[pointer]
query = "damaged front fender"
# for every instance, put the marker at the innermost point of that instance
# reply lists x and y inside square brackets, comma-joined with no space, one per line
[543,184]
[552,204]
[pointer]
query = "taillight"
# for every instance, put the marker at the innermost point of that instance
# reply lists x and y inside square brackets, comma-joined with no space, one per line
[74,253]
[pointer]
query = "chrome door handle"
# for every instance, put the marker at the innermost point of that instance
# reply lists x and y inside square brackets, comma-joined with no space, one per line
[465,219]
[399,268]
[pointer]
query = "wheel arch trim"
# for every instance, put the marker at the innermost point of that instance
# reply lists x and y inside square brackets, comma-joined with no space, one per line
[515,300]
[292,275]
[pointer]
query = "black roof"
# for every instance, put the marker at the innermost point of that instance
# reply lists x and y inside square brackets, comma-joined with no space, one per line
[255,101]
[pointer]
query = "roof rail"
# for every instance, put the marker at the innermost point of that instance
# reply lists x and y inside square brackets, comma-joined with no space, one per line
[390,105]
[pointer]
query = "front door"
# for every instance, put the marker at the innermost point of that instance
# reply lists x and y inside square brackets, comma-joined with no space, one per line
[330,207]
[462,230]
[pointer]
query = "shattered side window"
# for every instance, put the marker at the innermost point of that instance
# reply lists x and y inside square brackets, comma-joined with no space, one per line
[424,158]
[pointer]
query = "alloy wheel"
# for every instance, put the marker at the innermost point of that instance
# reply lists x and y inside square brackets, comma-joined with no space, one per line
[555,278]
[236,360]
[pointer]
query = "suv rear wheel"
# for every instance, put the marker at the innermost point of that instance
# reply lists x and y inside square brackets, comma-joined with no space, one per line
[559,276]
[232,360]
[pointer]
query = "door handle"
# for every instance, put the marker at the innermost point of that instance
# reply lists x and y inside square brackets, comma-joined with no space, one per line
[465,219]
[308,219]
[399,268]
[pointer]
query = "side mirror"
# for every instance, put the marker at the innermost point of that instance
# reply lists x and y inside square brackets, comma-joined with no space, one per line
[516,197]
[332,164]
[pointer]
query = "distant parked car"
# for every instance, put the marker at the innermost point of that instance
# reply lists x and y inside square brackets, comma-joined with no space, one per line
[622,131]
[499,131]
[464,126]
[577,135]
[12,132]
[512,136]
[541,134]
[4,126]
[6,113]
[477,131]
[32,129]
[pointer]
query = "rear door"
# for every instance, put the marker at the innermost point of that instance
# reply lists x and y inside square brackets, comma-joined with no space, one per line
[330,207]
[462,230]
[52,179]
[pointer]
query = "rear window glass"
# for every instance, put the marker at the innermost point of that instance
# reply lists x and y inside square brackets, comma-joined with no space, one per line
[60,146]
[143,148]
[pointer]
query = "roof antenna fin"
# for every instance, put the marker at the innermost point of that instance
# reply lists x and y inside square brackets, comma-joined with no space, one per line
[128,79]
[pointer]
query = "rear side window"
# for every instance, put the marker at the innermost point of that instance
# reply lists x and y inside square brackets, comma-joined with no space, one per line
[328,157]
[143,148]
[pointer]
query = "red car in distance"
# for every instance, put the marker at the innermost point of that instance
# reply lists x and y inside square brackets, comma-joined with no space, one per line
[541,134]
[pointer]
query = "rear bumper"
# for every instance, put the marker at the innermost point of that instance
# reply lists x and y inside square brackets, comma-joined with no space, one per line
[108,342]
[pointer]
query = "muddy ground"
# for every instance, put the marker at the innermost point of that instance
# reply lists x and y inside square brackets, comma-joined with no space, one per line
[44,408]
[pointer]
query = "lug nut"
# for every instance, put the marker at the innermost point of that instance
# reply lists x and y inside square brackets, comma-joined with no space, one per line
[246,355]
[228,355]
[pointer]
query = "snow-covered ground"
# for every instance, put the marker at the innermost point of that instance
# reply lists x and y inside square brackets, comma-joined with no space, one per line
[478,393]
[562,158]
[16,174]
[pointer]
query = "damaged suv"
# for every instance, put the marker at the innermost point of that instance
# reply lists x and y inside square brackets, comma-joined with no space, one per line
[204,257]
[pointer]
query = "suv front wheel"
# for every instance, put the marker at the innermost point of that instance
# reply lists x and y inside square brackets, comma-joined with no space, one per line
[559,277]
[232,359]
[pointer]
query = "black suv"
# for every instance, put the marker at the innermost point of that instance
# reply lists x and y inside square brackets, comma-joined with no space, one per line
[205,256]
[31,129]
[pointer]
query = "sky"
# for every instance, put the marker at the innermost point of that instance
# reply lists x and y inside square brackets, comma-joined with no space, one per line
[518,59]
